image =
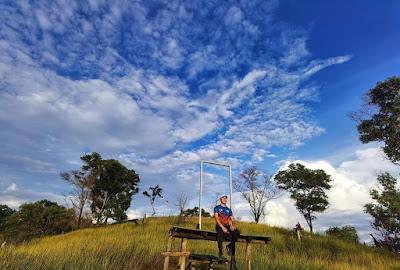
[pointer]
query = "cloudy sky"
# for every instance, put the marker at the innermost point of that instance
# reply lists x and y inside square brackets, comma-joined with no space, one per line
[161,85]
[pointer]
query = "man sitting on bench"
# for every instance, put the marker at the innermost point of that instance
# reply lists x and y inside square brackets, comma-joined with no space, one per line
[223,215]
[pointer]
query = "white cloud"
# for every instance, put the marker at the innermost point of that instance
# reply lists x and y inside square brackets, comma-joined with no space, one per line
[14,197]
[352,180]
[13,187]
[159,88]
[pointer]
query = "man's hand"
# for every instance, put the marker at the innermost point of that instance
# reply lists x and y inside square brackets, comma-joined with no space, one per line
[233,227]
[225,230]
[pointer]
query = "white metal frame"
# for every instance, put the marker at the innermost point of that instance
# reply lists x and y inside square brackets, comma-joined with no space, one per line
[201,185]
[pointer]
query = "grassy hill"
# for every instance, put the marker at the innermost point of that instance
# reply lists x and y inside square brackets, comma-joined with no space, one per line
[127,246]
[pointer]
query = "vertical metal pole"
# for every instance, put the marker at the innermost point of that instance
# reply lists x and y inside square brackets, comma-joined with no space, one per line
[201,191]
[230,188]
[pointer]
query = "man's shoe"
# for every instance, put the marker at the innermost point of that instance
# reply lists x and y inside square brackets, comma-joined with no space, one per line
[229,249]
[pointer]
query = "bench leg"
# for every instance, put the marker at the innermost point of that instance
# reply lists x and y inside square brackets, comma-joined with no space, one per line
[182,259]
[248,256]
[166,260]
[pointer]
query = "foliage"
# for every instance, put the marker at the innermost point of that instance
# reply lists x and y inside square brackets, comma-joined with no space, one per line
[195,212]
[386,210]
[5,212]
[127,246]
[307,188]
[36,219]
[113,187]
[346,233]
[257,188]
[80,196]
[379,118]
[155,192]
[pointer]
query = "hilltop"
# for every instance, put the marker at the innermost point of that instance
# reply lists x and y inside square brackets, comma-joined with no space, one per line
[128,246]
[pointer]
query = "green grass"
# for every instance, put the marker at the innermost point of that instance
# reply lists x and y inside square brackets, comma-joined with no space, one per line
[127,246]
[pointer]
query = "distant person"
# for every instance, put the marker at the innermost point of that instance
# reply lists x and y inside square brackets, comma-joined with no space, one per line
[298,226]
[223,215]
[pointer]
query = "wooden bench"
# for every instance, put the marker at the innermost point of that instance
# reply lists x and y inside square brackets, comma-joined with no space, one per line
[185,234]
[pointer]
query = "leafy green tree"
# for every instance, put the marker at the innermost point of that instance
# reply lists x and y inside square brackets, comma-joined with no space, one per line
[379,117]
[5,212]
[154,193]
[386,209]
[307,187]
[346,233]
[36,219]
[113,187]
[195,212]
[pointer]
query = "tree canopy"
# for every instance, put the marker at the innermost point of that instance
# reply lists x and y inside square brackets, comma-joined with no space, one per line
[346,233]
[5,212]
[113,187]
[307,187]
[195,212]
[36,219]
[379,118]
[386,208]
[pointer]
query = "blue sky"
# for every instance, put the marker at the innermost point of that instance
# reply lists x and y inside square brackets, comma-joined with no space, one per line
[162,85]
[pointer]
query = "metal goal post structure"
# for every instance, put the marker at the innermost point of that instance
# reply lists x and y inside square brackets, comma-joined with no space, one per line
[201,185]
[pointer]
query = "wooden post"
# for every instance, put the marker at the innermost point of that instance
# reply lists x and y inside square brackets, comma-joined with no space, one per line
[166,260]
[182,259]
[298,234]
[248,256]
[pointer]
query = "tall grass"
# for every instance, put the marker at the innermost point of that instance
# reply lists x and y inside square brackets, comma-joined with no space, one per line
[127,246]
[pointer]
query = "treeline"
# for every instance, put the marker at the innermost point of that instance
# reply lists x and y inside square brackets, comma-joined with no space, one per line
[102,191]
[35,220]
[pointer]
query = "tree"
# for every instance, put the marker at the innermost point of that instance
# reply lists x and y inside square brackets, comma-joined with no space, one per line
[386,210]
[80,196]
[36,219]
[182,201]
[257,188]
[307,188]
[194,212]
[5,212]
[155,192]
[113,187]
[379,117]
[346,233]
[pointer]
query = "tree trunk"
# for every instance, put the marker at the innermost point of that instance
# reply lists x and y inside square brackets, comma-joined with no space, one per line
[80,217]
[256,218]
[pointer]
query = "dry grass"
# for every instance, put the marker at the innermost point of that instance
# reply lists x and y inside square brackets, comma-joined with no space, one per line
[127,246]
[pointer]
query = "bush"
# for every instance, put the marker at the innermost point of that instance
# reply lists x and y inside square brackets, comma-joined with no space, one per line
[346,233]
[37,219]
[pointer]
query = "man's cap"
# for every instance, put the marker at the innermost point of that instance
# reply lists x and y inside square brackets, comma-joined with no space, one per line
[223,196]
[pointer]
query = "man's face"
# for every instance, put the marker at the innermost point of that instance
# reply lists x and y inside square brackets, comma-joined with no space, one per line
[224,200]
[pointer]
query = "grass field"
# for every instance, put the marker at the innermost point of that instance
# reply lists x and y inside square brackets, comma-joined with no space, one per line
[127,246]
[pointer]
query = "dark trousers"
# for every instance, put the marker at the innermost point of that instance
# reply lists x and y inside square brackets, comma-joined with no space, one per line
[230,235]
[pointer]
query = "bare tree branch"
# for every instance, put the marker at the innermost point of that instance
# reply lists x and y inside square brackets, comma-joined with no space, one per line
[257,188]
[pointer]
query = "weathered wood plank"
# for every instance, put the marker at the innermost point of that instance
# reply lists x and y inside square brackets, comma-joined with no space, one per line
[176,254]
[212,236]
[183,258]
[169,245]
[248,256]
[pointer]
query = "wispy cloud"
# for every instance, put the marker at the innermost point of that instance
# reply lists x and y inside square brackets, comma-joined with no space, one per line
[160,85]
